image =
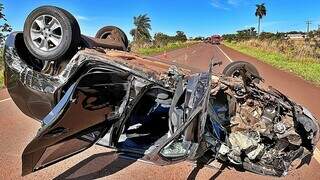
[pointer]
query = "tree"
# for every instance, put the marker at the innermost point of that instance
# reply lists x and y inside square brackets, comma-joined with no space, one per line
[161,39]
[5,28]
[253,31]
[181,36]
[142,27]
[260,12]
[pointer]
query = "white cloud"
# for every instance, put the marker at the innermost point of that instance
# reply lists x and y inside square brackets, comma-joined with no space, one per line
[218,4]
[225,4]
[233,2]
[79,17]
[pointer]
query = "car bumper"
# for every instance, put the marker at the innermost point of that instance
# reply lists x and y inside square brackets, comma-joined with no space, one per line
[31,91]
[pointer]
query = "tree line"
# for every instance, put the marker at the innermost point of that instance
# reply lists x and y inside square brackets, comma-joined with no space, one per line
[141,31]
[252,32]
[141,34]
[5,28]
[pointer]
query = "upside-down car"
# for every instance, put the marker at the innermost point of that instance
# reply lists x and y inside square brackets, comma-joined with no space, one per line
[87,90]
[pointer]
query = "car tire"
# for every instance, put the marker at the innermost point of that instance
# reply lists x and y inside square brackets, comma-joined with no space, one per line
[106,31]
[51,33]
[232,69]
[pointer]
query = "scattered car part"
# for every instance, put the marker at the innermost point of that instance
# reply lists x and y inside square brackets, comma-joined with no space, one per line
[266,132]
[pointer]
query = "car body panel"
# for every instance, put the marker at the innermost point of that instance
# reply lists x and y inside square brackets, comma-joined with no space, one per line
[182,141]
[82,117]
[22,79]
[85,113]
[63,94]
[43,91]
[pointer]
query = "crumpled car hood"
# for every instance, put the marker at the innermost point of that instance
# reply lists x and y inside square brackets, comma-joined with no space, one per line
[259,128]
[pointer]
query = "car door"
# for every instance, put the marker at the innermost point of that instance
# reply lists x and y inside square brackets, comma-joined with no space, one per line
[85,113]
[185,126]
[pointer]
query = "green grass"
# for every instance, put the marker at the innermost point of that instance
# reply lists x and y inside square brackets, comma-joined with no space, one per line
[307,69]
[150,51]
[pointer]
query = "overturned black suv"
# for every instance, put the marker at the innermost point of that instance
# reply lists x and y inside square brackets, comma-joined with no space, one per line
[86,90]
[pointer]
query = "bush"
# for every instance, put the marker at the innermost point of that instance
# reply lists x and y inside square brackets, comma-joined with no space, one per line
[161,39]
[291,49]
[160,49]
[306,67]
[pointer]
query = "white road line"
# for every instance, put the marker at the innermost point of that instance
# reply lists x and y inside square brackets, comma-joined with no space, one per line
[4,100]
[224,54]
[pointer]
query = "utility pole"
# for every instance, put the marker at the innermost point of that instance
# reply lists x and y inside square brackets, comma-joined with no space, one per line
[308,25]
[318,27]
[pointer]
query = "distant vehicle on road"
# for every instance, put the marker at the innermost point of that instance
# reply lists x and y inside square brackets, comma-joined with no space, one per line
[215,39]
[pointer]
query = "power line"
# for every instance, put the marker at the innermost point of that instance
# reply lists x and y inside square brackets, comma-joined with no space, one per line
[308,25]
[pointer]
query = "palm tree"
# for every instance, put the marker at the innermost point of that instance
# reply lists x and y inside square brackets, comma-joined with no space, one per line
[260,12]
[142,27]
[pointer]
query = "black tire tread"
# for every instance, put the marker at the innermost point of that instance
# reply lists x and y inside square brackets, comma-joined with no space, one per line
[69,47]
[104,29]
[232,67]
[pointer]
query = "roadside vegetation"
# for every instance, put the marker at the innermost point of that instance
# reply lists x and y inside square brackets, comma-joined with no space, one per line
[296,52]
[301,57]
[143,43]
[308,69]
[154,50]
[5,28]
[141,31]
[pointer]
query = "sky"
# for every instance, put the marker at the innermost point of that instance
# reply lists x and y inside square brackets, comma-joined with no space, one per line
[194,17]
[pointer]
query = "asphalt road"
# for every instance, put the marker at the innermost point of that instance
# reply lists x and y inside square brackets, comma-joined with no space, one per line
[98,162]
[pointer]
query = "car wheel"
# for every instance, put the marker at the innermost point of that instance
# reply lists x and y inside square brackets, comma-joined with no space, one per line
[114,33]
[51,33]
[233,70]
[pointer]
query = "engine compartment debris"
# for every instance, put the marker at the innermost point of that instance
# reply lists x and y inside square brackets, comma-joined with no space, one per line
[260,129]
